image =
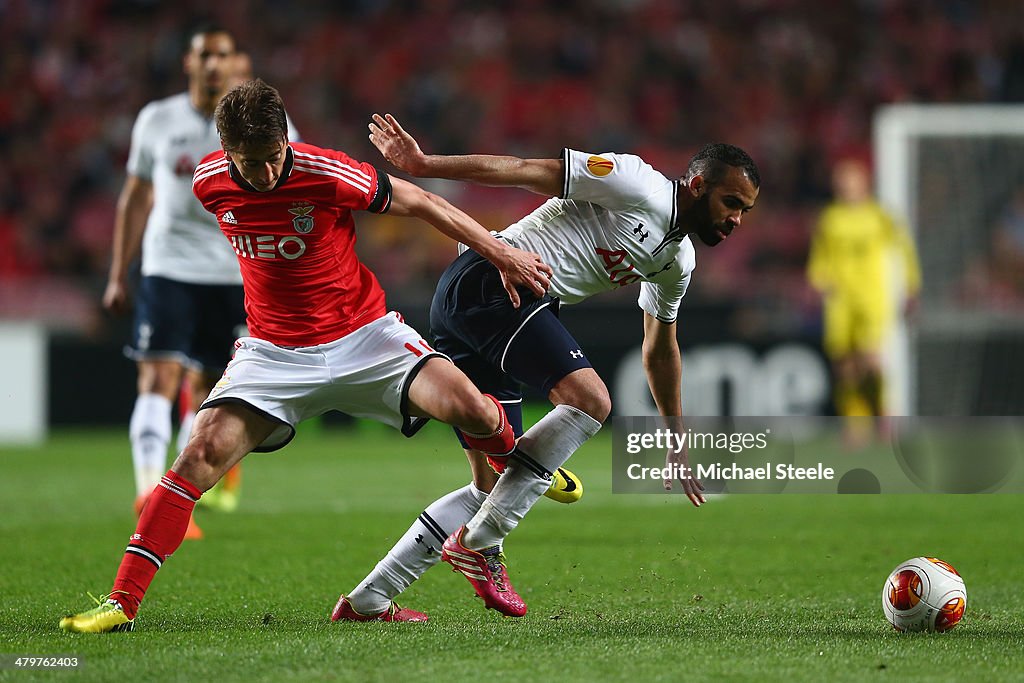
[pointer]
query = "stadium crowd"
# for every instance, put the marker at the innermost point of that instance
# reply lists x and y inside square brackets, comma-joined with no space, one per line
[795,82]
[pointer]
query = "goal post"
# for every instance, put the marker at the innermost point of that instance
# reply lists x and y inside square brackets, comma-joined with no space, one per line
[949,171]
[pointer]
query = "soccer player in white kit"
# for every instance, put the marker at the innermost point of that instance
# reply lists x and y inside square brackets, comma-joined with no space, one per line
[188,307]
[613,221]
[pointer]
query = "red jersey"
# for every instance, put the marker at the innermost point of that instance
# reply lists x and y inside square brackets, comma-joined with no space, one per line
[304,284]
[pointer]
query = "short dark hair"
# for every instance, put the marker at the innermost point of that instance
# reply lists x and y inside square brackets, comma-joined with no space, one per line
[205,28]
[711,161]
[251,114]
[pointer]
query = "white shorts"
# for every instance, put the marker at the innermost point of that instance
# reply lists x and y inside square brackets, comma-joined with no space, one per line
[365,374]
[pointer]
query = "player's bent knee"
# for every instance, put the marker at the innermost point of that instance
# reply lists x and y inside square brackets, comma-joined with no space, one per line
[473,412]
[583,390]
[159,377]
[599,407]
[596,404]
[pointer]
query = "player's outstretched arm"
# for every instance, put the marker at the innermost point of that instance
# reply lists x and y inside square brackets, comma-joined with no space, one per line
[543,176]
[517,267]
[133,206]
[663,366]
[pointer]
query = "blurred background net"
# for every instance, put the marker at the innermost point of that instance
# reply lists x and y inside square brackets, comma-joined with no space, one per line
[795,82]
[957,173]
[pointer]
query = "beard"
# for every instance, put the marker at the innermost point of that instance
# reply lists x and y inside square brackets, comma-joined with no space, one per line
[699,215]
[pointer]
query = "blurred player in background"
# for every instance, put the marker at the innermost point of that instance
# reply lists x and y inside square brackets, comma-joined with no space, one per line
[225,495]
[321,336]
[613,221]
[850,266]
[188,307]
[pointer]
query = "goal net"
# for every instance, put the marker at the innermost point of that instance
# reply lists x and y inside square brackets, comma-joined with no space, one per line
[956,174]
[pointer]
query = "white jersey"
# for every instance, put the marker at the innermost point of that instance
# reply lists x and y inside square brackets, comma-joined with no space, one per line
[614,225]
[182,241]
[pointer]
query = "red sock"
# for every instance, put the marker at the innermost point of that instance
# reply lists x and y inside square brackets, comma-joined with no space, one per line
[498,463]
[501,442]
[159,533]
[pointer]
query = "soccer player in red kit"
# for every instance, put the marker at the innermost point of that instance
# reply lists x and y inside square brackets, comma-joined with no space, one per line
[320,338]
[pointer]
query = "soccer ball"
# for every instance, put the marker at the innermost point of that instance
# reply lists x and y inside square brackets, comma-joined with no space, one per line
[924,594]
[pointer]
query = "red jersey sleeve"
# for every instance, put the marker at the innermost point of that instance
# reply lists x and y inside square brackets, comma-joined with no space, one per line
[358,185]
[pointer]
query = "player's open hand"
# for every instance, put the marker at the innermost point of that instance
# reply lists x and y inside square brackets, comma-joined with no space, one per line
[397,146]
[520,268]
[687,478]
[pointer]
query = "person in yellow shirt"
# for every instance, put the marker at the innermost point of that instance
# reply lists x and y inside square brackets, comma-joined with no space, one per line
[850,265]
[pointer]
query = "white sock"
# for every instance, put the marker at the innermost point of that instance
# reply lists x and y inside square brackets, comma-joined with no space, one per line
[150,433]
[185,429]
[541,450]
[417,551]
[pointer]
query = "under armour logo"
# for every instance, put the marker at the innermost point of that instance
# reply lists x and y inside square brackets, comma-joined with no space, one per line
[430,548]
[576,354]
[639,230]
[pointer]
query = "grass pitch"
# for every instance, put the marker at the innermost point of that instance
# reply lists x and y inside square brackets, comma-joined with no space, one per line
[637,588]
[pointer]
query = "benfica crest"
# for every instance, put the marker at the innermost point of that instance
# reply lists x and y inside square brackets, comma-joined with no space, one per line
[303,222]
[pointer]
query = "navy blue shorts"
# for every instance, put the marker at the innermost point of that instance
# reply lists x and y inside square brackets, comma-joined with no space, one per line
[500,347]
[195,325]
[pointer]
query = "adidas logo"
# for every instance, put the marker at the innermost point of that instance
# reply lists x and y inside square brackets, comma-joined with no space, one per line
[229,217]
